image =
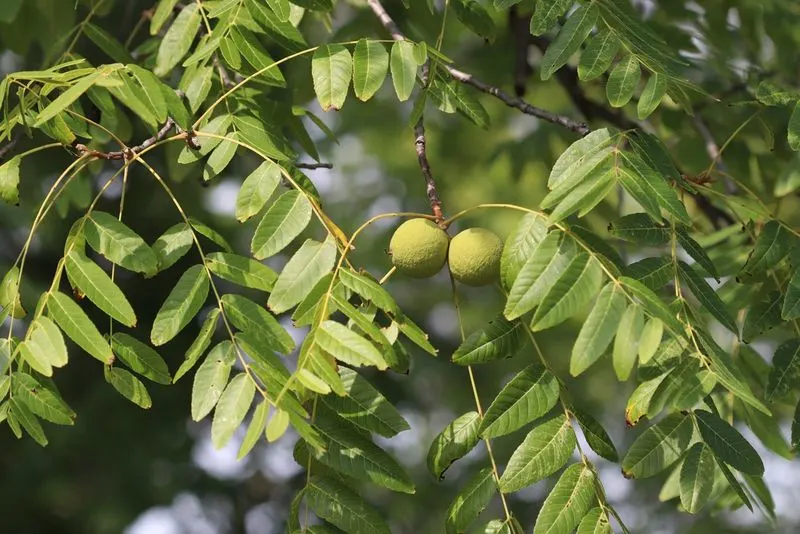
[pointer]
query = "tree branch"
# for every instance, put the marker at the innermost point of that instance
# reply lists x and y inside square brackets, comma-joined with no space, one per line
[129,152]
[714,152]
[312,166]
[468,79]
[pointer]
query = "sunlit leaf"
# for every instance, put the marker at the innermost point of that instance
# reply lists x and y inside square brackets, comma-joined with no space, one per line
[78,327]
[211,378]
[658,447]
[572,34]
[139,357]
[177,40]
[526,397]
[181,305]
[543,452]
[231,409]
[471,500]
[331,71]
[599,328]
[570,500]
[310,263]
[370,64]
[93,282]
[282,223]
[500,338]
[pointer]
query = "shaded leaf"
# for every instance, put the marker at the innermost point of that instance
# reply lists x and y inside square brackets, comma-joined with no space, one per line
[569,40]
[282,223]
[599,328]
[471,500]
[453,442]
[696,478]
[728,444]
[128,386]
[570,500]
[211,378]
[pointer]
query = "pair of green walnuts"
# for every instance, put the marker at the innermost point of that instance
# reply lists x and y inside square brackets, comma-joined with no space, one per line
[419,248]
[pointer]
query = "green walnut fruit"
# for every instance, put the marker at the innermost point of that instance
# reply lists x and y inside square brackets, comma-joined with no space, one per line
[419,248]
[474,257]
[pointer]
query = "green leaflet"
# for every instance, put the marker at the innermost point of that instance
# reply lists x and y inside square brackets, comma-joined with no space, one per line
[652,94]
[475,17]
[543,452]
[599,328]
[331,72]
[231,409]
[21,415]
[595,522]
[93,282]
[640,229]
[526,397]
[519,245]
[253,319]
[728,444]
[650,339]
[256,190]
[349,451]
[369,290]
[339,505]
[45,347]
[623,81]
[9,181]
[177,40]
[658,447]
[762,316]
[241,270]
[370,64]
[348,346]
[626,343]
[569,40]
[546,14]
[78,327]
[277,425]
[140,358]
[574,288]
[181,305]
[403,66]
[785,373]
[596,436]
[41,399]
[305,268]
[119,244]
[211,378]
[363,405]
[570,500]
[696,478]
[546,263]
[471,500]
[281,224]
[255,429]
[598,55]
[453,442]
[172,245]
[200,344]
[707,297]
[500,338]
[128,386]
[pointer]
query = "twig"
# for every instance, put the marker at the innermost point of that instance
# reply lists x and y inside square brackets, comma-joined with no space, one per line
[468,79]
[312,166]
[130,151]
[224,77]
[9,146]
[714,152]
[420,145]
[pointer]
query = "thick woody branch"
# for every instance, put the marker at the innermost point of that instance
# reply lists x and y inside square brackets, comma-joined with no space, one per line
[468,79]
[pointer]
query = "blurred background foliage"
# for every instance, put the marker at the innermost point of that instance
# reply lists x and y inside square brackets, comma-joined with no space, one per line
[122,469]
